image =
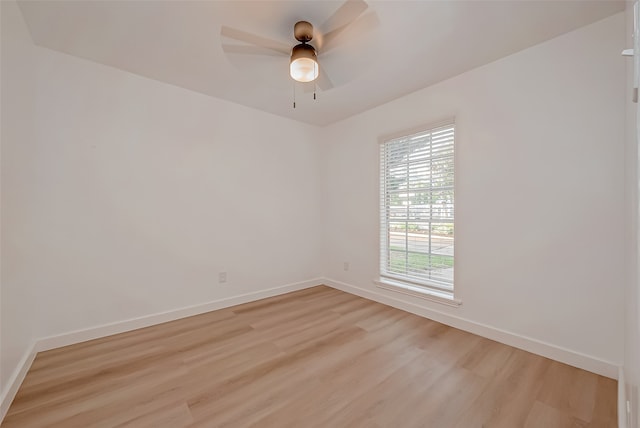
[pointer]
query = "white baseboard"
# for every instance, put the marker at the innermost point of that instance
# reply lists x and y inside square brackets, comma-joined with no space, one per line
[563,355]
[70,338]
[622,400]
[16,380]
[83,335]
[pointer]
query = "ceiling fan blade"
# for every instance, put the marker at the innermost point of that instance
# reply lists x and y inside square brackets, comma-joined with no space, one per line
[362,25]
[250,50]
[263,42]
[322,82]
[346,14]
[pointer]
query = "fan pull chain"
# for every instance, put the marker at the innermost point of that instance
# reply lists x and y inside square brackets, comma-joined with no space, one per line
[294,95]
[315,81]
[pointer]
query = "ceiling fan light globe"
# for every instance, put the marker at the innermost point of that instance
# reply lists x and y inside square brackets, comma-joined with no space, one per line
[304,63]
[304,70]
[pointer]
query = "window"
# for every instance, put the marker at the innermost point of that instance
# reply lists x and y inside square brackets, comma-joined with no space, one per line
[417,211]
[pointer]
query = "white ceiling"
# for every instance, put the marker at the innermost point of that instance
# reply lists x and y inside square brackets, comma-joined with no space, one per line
[415,44]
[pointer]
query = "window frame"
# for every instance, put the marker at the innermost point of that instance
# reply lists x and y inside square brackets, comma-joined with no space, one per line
[430,289]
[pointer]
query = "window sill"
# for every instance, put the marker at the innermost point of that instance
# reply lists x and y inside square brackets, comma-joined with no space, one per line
[423,293]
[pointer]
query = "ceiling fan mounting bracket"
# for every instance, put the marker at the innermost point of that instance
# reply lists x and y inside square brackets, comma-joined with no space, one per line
[303,31]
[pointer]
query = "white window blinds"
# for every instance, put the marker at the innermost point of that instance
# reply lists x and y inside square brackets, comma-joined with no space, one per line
[417,209]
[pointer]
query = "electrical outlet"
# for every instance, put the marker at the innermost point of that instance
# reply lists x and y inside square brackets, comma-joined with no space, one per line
[346,266]
[222,277]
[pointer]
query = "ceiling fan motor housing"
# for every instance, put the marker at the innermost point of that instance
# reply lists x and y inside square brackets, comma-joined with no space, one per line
[303,50]
[304,63]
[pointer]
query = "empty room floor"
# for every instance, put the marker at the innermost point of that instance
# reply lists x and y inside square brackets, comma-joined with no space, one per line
[312,358]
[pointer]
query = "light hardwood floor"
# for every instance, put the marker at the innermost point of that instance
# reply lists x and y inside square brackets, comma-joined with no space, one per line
[313,358]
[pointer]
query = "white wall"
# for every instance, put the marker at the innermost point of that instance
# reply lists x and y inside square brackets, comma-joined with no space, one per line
[632,332]
[539,192]
[127,197]
[18,101]
[147,191]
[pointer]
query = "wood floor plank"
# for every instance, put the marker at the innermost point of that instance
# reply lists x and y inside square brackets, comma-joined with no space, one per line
[318,357]
[570,390]
[606,405]
[510,393]
[543,415]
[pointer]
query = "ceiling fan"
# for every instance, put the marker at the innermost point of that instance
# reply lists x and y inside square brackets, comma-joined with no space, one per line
[312,43]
